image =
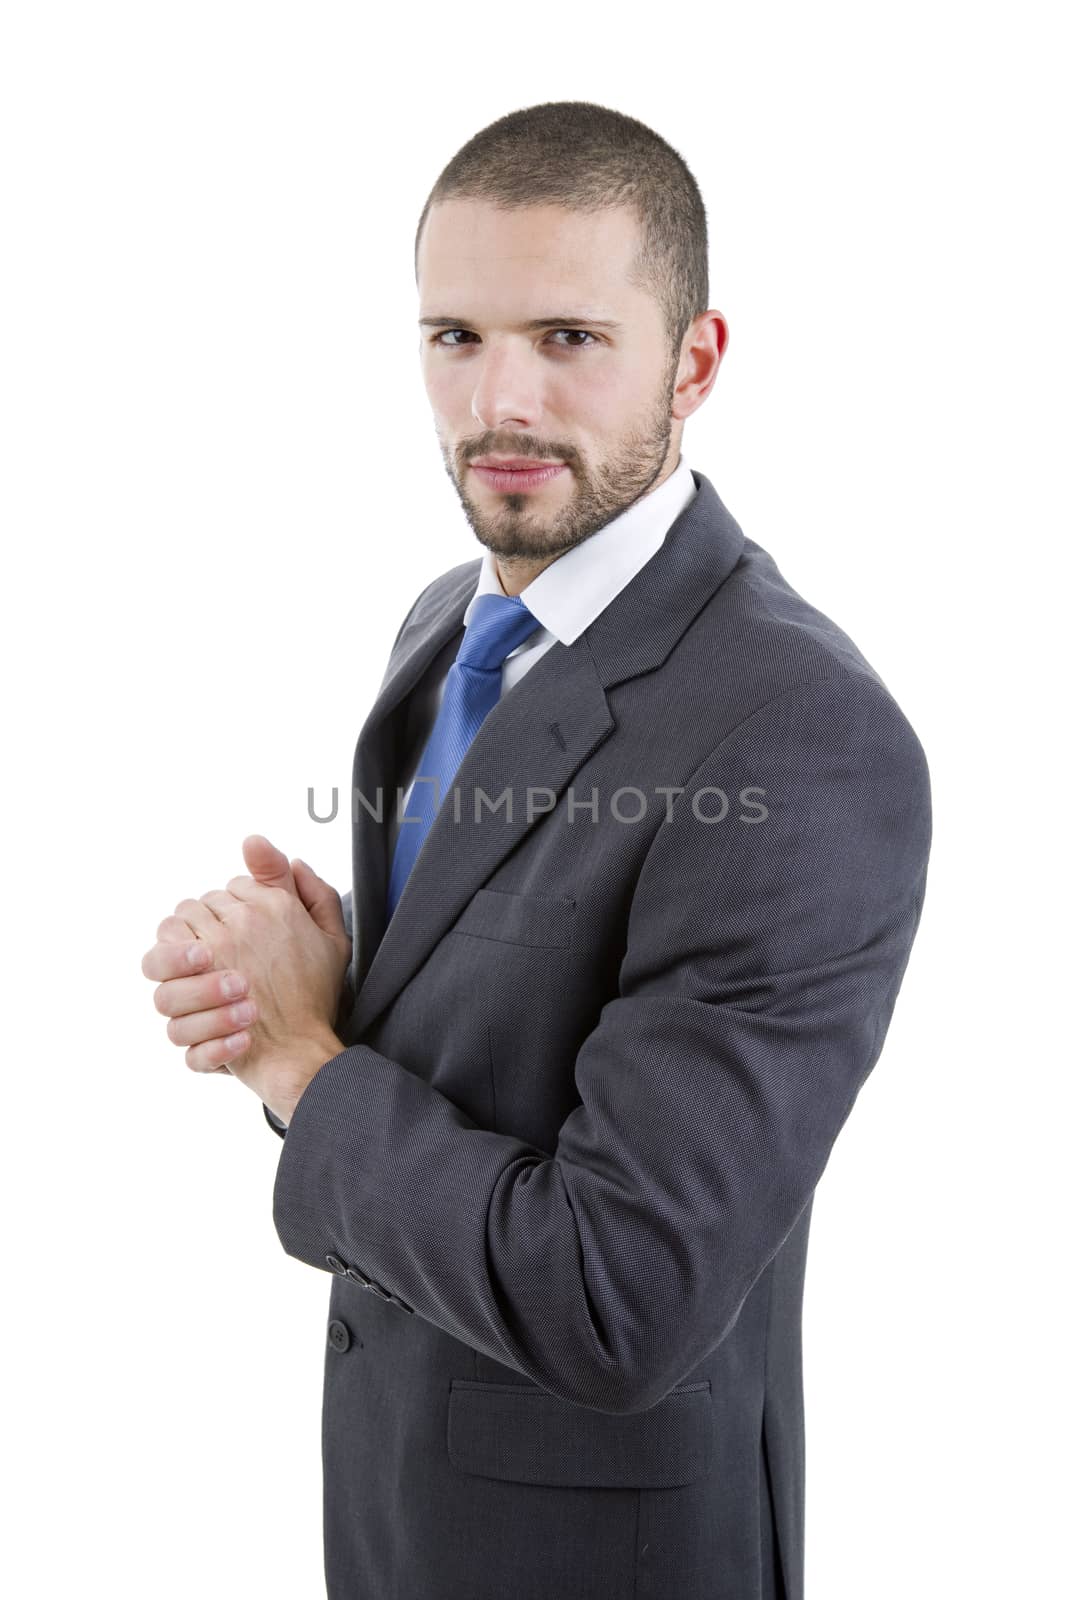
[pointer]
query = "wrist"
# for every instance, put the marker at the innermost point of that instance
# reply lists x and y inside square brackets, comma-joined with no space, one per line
[303,1061]
[319,1048]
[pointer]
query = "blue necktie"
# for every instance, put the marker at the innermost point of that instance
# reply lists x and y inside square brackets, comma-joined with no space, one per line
[498,624]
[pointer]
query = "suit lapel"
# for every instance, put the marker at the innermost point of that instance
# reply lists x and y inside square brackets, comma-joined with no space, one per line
[534,739]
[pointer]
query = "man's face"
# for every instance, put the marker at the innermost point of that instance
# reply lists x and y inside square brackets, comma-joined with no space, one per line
[598,399]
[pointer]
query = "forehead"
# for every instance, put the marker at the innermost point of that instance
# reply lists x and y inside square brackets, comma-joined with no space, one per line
[473,247]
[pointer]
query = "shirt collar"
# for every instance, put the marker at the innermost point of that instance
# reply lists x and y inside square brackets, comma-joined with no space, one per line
[574,589]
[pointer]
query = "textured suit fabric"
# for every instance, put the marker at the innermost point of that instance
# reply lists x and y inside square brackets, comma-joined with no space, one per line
[562,1172]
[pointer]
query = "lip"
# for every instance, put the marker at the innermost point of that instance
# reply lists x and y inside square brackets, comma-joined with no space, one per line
[519,479]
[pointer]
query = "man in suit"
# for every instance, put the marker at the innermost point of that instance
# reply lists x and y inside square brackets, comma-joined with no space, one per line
[557,1079]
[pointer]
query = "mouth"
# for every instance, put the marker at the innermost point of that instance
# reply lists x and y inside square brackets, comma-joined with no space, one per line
[519,478]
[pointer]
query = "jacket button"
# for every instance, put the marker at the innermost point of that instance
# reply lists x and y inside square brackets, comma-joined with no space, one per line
[357,1276]
[339,1336]
[335,1264]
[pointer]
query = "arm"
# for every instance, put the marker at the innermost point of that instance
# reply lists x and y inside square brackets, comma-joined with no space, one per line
[762,966]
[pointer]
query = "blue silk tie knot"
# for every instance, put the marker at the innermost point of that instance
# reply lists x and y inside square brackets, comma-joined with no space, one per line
[498,624]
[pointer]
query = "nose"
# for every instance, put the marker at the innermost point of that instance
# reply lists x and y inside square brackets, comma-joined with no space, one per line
[508,390]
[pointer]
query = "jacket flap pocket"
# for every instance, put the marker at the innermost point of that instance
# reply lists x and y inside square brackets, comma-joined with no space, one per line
[518,918]
[523,1434]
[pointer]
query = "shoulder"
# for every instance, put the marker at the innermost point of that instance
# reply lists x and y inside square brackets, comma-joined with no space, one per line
[774,651]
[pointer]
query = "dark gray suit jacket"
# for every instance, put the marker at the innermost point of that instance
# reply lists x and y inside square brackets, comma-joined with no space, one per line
[562,1171]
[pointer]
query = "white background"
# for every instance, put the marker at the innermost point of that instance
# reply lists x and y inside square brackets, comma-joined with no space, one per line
[222,492]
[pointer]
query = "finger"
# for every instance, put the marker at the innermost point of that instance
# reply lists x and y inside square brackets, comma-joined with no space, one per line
[245,888]
[168,959]
[221,902]
[200,918]
[219,1023]
[177,997]
[215,1053]
[307,882]
[175,928]
[320,899]
[267,865]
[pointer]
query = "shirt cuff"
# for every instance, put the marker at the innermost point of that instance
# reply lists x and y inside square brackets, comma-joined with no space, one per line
[273,1122]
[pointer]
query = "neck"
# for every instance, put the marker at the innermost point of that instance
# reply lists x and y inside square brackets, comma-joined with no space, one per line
[513,574]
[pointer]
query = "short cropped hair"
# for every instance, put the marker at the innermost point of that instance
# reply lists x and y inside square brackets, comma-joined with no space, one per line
[587,157]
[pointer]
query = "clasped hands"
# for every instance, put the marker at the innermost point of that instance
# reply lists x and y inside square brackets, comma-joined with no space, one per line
[252,975]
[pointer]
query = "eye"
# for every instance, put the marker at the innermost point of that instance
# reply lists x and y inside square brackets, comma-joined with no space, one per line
[583,333]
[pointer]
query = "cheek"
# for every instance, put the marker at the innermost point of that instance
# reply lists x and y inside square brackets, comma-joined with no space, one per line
[598,401]
[448,390]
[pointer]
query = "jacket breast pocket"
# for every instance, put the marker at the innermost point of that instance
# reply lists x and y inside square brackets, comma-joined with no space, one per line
[540,921]
[524,1435]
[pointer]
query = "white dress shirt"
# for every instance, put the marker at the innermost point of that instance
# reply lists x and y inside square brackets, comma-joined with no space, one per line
[565,598]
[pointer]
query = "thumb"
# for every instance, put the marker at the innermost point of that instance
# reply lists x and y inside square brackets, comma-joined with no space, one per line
[321,900]
[266,864]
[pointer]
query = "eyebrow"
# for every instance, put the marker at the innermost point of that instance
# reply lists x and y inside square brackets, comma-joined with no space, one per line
[525,327]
